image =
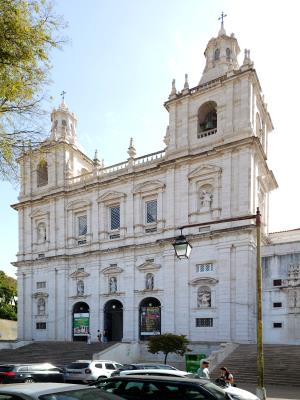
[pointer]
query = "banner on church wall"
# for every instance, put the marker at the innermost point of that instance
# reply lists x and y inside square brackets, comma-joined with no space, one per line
[81,324]
[150,321]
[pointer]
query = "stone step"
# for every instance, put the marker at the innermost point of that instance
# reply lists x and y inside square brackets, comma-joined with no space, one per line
[281,363]
[55,352]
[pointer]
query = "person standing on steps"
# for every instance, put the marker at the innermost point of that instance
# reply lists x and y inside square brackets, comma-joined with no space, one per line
[226,377]
[99,336]
[203,371]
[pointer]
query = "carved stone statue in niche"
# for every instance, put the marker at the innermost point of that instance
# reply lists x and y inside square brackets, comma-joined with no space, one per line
[41,232]
[204,297]
[80,288]
[149,281]
[41,306]
[113,284]
[206,198]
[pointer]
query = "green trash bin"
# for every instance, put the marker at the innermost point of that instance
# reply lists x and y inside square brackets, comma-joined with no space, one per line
[192,362]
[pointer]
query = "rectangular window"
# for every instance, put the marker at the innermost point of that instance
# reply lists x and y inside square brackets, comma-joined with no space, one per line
[277,324]
[208,267]
[151,212]
[40,285]
[277,282]
[41,325]
[115,218]
[82,225]
[277,305]
[204,322]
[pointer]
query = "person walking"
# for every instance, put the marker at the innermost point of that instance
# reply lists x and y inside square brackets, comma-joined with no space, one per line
[203,371]
[89,337]
[99,336]
[104,336]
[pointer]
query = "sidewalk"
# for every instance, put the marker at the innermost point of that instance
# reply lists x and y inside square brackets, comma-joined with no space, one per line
[276,392]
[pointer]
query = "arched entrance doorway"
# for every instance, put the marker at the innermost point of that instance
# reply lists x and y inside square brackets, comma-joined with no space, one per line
[150,318]
[113,320]
[81,321]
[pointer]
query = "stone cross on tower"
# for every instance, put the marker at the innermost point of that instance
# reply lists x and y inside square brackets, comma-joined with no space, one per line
[63,95]
[222,17]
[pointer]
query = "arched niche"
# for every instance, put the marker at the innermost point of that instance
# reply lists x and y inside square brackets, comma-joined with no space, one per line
[207,116]
[81,321]
[149,318]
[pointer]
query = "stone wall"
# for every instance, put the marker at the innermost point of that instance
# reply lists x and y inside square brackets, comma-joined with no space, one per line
[8,329]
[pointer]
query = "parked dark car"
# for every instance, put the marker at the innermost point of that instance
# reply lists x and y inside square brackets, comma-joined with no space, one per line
[30,373]
[161,388]
[53,391]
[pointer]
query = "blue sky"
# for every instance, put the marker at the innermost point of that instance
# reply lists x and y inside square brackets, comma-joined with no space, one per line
[117,72]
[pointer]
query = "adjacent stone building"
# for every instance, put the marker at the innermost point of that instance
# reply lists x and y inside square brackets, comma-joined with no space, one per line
[95,242]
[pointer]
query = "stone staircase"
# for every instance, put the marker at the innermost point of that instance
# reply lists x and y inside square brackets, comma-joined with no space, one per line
[282,365]
[57,353]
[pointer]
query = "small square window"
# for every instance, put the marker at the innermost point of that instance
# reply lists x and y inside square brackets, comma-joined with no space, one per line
[277,282]
[41,325]
[277,324]
[151,212]
[82,225]
[40,285]
[277,305]
[208,267]
[115,218]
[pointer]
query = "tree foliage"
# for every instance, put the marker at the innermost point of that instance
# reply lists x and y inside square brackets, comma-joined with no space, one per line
[8,293]
[168,343]
[27,35]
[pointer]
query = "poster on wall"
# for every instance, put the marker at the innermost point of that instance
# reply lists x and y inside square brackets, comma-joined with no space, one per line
[81,323]
[150,321]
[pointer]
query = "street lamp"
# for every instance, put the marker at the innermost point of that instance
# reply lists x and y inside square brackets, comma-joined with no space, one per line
[183,249]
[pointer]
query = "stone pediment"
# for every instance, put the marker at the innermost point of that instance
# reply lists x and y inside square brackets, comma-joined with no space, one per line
[204,171]
[149,186]
[79,275]
[203,281]
[148,266]
[74,205]
[38,213]
[40,294]
[112,270]
[110,196]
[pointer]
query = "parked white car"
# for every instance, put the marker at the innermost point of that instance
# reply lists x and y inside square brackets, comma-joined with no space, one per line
[90,370]
[234,392]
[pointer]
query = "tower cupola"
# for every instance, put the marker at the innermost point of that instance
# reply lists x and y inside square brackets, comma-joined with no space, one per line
[221,55]
[64,124]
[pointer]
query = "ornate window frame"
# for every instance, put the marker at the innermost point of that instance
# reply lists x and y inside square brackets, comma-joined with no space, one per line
[105,202]
[142,194]
[76,209]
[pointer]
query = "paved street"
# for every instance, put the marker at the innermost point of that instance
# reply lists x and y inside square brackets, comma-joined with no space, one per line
[276,392]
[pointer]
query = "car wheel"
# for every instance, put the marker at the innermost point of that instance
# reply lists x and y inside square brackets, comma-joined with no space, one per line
[29,380]
[101,377]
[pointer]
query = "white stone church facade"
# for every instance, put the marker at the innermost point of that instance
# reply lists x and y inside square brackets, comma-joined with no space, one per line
[95,242]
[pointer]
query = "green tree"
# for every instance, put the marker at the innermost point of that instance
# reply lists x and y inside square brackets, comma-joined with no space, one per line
[8,294]
[168,343]
[28,31]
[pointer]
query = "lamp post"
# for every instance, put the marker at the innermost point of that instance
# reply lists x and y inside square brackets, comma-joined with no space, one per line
[183,249]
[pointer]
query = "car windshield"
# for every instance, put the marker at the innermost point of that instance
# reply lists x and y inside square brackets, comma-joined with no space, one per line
[82,394]
[6,368]
[219,393]
[78,365]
